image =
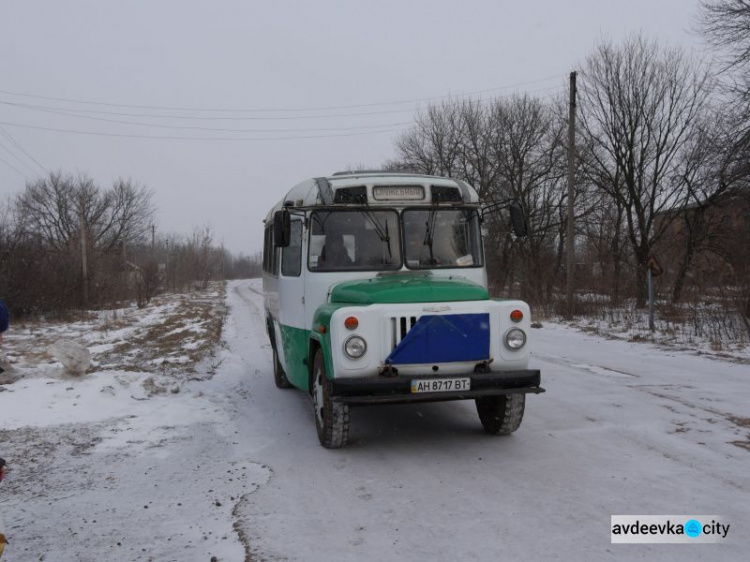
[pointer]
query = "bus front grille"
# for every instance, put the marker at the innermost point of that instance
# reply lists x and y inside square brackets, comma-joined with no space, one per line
[400,326]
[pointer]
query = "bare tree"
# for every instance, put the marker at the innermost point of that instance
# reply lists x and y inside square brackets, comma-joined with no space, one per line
[148,281]
[53,208]
[129,215]
[726,25]
[714,174]
[434,144]
[9,243]
[63,216]
[529,156]
[640,104]
[200,255]
[478,147]
[506,148]
[243,267]
[49,208]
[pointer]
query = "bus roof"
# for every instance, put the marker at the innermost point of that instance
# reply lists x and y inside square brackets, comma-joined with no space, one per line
[380,188]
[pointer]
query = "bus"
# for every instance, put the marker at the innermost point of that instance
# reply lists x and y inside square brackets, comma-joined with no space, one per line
[375,292]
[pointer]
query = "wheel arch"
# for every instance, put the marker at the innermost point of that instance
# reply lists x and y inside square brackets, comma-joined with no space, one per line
[318,342]
[270,330]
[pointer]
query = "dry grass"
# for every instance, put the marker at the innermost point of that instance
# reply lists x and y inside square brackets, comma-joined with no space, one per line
[712,325]
[176,336]
[189,333]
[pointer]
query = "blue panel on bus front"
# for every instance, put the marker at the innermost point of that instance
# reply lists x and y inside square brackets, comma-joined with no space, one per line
[444,339]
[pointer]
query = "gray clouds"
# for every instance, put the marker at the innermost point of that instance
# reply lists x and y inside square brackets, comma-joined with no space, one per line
[263,55]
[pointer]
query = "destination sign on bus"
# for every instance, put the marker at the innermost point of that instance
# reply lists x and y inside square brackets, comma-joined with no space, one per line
[398,192]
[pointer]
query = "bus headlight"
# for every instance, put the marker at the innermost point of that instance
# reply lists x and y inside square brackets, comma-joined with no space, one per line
[515,338]
[355,347]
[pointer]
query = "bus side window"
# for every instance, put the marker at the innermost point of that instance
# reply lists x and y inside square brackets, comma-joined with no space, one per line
[270,253]
[274,258]
[316,248]
[266,249]
[291,255]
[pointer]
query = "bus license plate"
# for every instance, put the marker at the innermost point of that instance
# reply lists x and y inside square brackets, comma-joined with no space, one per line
[440,385]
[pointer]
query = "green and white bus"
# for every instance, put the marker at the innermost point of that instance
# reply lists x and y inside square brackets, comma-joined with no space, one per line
[375,292]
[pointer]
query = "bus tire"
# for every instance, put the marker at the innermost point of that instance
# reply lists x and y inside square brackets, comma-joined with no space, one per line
[501,415]
[279,376]
[331,417]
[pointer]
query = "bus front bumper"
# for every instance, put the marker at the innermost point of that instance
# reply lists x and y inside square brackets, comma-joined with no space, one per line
[398,389]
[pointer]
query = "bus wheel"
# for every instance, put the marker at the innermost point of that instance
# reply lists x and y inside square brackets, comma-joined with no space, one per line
[279,376]
[501,415]
[331,418]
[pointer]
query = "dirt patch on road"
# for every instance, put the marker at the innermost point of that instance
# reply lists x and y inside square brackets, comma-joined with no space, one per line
[742,422]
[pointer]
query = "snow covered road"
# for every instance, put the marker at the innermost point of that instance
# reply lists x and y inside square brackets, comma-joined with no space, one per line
[229,468]
[623,429]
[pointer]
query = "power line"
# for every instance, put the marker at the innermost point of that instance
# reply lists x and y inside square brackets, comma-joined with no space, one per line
[212,129]
[371,129]
[12,167]
[232,118]
[12,139]
[101,134]
[14,155]
[205,118]
[280,110]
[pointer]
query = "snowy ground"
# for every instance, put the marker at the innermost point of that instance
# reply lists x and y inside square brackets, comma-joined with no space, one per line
[705,327]
[190,467]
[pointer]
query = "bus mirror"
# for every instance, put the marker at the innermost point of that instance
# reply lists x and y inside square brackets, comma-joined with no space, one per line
[518,220]
[281,229]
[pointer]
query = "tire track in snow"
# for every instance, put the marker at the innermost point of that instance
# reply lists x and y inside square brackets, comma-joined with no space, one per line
[665,392]
[426,483]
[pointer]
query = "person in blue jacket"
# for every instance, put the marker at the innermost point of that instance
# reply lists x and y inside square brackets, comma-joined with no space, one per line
[4,319]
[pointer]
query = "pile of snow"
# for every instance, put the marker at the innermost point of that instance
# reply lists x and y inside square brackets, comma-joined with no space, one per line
[75,357]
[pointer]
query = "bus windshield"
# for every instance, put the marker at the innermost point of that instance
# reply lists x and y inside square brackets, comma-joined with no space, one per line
[362,239]
[436,238]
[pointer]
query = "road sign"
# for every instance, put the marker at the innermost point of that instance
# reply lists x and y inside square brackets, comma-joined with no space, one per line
[654,265]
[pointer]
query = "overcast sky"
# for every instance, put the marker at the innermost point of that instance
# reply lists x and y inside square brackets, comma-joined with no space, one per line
[278,70]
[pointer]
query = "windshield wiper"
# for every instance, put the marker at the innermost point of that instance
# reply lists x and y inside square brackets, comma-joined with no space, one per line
[429,234]
[379,230]
[388,241]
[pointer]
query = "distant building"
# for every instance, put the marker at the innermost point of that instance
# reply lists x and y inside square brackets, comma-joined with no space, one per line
[718,236]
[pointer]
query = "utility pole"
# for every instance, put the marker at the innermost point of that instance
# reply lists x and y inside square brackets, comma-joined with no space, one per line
[571,191]
[223,275]
[650,277]
[84,269]
[166,263]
